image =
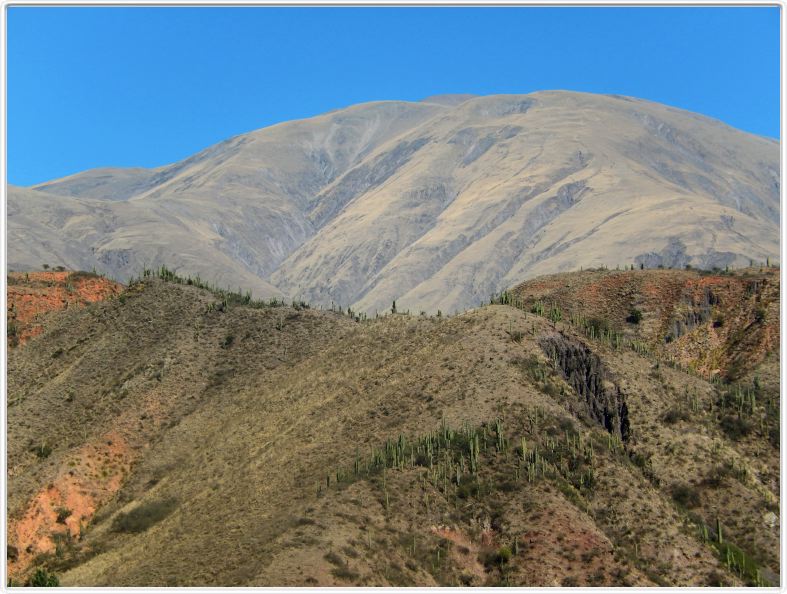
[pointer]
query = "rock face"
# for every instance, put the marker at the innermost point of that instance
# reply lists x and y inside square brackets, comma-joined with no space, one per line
[714,323]
[583,370]
[436,203]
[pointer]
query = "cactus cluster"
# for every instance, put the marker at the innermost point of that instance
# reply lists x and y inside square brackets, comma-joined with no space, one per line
[453,460]
[227,296]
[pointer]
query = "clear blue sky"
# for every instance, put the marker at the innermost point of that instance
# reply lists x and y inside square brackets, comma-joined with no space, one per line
[92,87]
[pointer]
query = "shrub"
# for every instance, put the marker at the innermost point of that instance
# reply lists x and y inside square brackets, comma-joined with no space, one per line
[344,573]
[62,514]
[333,558]
[43,451]
[81,274]
[42,578]
[517,335]
[759,315]
[674,415]
[550,389]
[643,462]
[144,516]
[716,476]
[735,426]
[467,488]
[599,326]
[686,496]
[715,580]
[503,555]
[634,317]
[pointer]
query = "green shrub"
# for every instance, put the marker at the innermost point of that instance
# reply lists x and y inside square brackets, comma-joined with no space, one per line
[503,555]
[634,317]
[62,514]
[42,578]
[42,451]
[144,516]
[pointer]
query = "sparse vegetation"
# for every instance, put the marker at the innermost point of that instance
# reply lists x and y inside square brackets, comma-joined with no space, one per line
[320,423]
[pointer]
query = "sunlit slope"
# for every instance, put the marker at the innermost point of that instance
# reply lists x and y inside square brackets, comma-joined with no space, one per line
[435,204]
[172,436]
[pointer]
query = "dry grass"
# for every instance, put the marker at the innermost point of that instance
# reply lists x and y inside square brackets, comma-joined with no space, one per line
[244,434]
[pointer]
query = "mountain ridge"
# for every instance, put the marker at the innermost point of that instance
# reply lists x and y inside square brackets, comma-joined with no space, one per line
[433,205]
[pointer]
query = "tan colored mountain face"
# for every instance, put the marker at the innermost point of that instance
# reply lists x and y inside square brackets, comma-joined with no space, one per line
[435,204]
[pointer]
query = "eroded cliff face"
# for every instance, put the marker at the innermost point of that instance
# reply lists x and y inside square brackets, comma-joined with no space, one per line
[600,396]
[717,324]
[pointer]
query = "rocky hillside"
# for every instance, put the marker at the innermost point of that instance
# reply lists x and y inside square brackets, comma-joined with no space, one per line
[436,204]
[31,296]
[717,324]
[182,436]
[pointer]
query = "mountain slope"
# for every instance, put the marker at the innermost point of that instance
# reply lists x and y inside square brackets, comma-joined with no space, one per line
[165,438]
[435,204]
[31,296]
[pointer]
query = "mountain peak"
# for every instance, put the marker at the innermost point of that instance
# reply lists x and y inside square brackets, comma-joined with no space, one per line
[435,207]
[448,99]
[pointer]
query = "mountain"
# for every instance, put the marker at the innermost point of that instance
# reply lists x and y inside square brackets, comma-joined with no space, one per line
[171,435]
[435,204]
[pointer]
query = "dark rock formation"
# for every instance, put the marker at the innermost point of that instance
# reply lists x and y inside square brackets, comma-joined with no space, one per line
[600,396]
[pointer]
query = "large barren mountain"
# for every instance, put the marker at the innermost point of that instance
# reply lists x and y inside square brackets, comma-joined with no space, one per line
[436,204]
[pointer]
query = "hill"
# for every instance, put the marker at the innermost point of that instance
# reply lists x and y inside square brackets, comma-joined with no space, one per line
[31,296]
[436,204]
[182,436]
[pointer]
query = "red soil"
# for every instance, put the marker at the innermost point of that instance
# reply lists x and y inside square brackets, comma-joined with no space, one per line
[31,295]
[94,474]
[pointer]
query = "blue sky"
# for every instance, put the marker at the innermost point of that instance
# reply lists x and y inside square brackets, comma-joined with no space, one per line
[93,87]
